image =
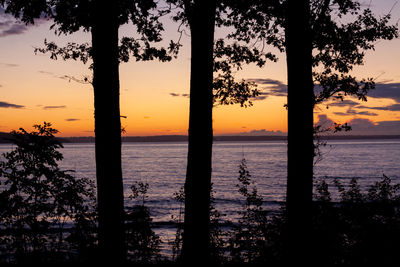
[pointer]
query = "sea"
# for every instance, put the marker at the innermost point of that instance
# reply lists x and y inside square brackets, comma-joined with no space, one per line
[163,167]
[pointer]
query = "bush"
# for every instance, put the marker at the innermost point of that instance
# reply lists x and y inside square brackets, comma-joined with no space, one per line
[362,228]
[142,243]
[38,201]
[217,242]
[248,238]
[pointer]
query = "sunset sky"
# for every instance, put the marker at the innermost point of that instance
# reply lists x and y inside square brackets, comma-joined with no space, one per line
[35,88]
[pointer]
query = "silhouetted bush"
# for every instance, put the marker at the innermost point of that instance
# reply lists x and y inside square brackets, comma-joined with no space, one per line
[142,243]
[217,235]
[363,227]
[247,241]
[46,214]
[176,244]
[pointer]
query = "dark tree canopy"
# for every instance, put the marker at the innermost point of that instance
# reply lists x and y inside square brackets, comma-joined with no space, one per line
[342,31]
[69,16]
[102,19]
[229,55]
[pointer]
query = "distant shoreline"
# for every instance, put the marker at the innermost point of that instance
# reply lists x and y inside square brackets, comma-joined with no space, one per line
[225,138]
[6,138]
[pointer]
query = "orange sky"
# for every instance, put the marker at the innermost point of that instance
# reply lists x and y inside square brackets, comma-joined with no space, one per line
[36,89]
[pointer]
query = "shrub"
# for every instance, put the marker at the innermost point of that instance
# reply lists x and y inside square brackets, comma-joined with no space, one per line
[247,242]
[142,243]
[38,201]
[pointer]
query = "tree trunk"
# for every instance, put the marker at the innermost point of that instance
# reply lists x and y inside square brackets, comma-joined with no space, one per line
[108,133]
[300,130]
[196,239]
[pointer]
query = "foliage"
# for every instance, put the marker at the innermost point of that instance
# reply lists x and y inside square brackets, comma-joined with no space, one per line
[142,243]
[363,228]
[70,16]
[338,44]
[229,57]
[217,242]
[39,201]
[176,244]
[320,131]
[360,227]
[247,242]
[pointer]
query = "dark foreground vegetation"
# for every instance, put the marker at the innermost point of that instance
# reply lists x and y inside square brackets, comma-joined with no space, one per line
[47,216]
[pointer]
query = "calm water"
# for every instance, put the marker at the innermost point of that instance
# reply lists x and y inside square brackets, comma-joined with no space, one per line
[163,166]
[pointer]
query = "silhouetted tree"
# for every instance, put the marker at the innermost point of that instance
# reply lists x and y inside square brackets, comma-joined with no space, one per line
[300,104]
[337,48]
[196,235]
[321,52]
[102,19]
[208,57]
[216,234]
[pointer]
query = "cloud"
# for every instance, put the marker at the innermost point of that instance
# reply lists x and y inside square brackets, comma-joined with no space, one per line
[54,107]
[9,65]
[394,107]
[365,126]
[261,96]
[324,121]
[270,87]
[262,132]
[9,105]
[11,26]
[46,72]
[72,119]
[179,95]
[146,117]
[386,90]
[351,112]
[361,126]
[382,90]
[344,103]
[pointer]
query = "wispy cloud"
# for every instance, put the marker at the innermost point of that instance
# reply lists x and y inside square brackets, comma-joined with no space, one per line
[386,90]
[361,126]
[365,126]
[9,65]
[179,95]
[270,87]
[54,107]
[394,107]
[351,112]
[46,72]
[382,90]
[262,132]
[11,26]
[72,119]
[261,96]
[344,103]
[9,105]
